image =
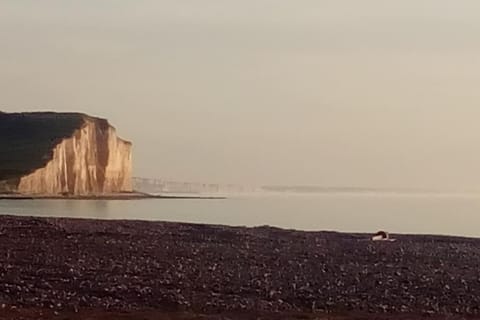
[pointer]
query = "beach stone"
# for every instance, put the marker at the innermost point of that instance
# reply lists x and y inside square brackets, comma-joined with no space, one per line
[136,265]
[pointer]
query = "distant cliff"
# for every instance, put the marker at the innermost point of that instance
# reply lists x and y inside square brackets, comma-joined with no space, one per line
[50,153]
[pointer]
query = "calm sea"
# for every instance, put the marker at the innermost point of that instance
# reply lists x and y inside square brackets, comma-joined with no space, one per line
[427,214]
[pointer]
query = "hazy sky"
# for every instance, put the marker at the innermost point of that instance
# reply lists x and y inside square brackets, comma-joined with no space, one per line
[339,93]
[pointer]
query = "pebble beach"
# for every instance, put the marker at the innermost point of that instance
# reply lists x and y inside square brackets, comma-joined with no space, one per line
[71,268]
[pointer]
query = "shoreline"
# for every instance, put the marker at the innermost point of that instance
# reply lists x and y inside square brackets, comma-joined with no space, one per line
[125,269]
[119,196]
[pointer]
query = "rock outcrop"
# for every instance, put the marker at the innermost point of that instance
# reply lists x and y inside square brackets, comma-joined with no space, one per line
[62,154]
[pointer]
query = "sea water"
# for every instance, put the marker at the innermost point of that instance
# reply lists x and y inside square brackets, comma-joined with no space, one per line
[449,214]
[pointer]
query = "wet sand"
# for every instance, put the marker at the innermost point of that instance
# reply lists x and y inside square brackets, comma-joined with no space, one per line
[91,269]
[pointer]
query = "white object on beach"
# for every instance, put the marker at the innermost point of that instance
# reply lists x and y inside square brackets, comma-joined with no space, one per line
[382,236]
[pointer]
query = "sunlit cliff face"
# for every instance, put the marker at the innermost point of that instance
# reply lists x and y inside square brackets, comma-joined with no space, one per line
[92,160]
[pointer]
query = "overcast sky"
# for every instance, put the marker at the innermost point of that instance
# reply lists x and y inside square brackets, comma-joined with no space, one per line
[336,93]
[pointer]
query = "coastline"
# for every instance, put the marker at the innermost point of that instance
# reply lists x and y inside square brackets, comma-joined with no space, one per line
[116,196]
[121,269]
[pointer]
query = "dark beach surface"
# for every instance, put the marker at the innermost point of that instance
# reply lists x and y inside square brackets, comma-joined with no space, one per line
[94,269]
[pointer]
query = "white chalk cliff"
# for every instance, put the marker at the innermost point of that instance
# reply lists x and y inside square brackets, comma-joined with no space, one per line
[93,160]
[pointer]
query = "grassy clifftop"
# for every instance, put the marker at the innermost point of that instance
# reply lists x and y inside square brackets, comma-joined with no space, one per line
[27,139]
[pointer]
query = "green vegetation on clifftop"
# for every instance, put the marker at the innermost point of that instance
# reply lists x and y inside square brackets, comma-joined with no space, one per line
[28,139]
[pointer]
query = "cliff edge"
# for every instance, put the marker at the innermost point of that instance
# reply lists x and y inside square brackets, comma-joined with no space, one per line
[47,153]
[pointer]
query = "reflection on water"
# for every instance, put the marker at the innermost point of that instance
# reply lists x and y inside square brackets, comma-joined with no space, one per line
[99,208]
[433,214]
[58,208]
